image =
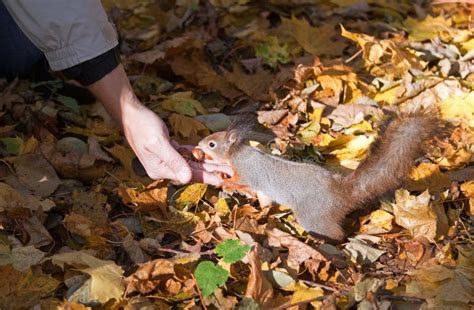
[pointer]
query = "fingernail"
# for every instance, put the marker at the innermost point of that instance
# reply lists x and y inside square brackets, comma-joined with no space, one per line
[183,176]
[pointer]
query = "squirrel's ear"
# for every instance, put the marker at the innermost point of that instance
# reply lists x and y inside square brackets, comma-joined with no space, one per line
[231,139]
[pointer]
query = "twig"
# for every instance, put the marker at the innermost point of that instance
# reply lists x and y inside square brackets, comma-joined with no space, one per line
[328,288]
[199,292]
[353,56]
[404,298]
[466,230]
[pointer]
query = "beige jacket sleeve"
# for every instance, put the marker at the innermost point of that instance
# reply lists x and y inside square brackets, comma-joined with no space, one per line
[69,32]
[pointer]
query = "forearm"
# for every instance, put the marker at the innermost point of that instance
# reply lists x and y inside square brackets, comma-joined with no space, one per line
[116,94]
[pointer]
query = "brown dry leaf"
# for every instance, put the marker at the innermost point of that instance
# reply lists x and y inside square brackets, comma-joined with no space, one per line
[11,199]
[427,176]
[132,247]
[346,115]
[412,251]
[314,40]
[384,57]
[93,206]
[72,305]
[35,175]
[151,198]
[39,236]
[180,222]
[73,164]
[426,29]
[160,51]
[444,287]
[416,214]
[271,117]
[125,155]
[256,85]
[195,69]
[79,224]
[24,290]
[298,251]
[157,275]
[187,130]
[378,222]
[468,190]
[258,287]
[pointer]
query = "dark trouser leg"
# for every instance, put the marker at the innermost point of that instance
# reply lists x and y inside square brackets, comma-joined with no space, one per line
[18,56]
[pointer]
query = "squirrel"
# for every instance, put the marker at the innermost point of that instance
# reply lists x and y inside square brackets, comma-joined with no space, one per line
[320,198]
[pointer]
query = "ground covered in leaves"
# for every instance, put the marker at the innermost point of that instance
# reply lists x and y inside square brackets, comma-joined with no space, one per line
[79,229]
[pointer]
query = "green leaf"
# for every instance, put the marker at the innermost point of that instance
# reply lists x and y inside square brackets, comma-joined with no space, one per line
[12,145]
[183,103]
[272,52]
[69,102]
[209,277]
[232,250]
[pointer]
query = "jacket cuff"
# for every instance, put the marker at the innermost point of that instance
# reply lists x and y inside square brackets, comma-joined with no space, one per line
[90,71]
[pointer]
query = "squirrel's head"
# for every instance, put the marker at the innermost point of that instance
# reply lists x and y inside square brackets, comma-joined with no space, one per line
[220,145]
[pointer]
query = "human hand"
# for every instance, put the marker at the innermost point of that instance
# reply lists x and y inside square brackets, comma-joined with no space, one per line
[147,133]
[149,138]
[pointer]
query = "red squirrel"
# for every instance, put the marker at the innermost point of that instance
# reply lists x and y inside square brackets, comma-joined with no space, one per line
[319,197]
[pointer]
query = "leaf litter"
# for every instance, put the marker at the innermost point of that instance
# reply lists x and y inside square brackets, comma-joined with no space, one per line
[79,230]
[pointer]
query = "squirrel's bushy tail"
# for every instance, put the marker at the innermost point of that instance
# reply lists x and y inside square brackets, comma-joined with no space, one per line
[402,140]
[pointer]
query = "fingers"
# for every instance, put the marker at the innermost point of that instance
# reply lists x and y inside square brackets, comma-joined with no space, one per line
[212,167]
[171,163]
[203,176]
[157,169]
[182,147]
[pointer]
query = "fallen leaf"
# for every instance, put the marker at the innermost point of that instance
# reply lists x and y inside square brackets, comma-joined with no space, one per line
[427,176]
[315,40]
[150,198]
[134,251]
[187,130]
[271,117]
[34,175]
[426,29]
[232,250]
[24,290]
[362,252]
[416,214]
[209,277]
[258,287]
[190,195]
[183,103]
[105,281]
[255,85]
[378,222]
[214,122]
[306,294]
[10,199]
[298,251]
[442,286]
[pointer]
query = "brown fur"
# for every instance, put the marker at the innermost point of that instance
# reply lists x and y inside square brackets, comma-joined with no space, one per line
[402,139]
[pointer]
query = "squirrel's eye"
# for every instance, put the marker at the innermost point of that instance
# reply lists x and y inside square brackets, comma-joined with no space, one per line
[212,144]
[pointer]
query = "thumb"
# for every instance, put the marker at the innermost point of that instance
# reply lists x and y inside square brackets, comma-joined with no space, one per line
[175,162]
